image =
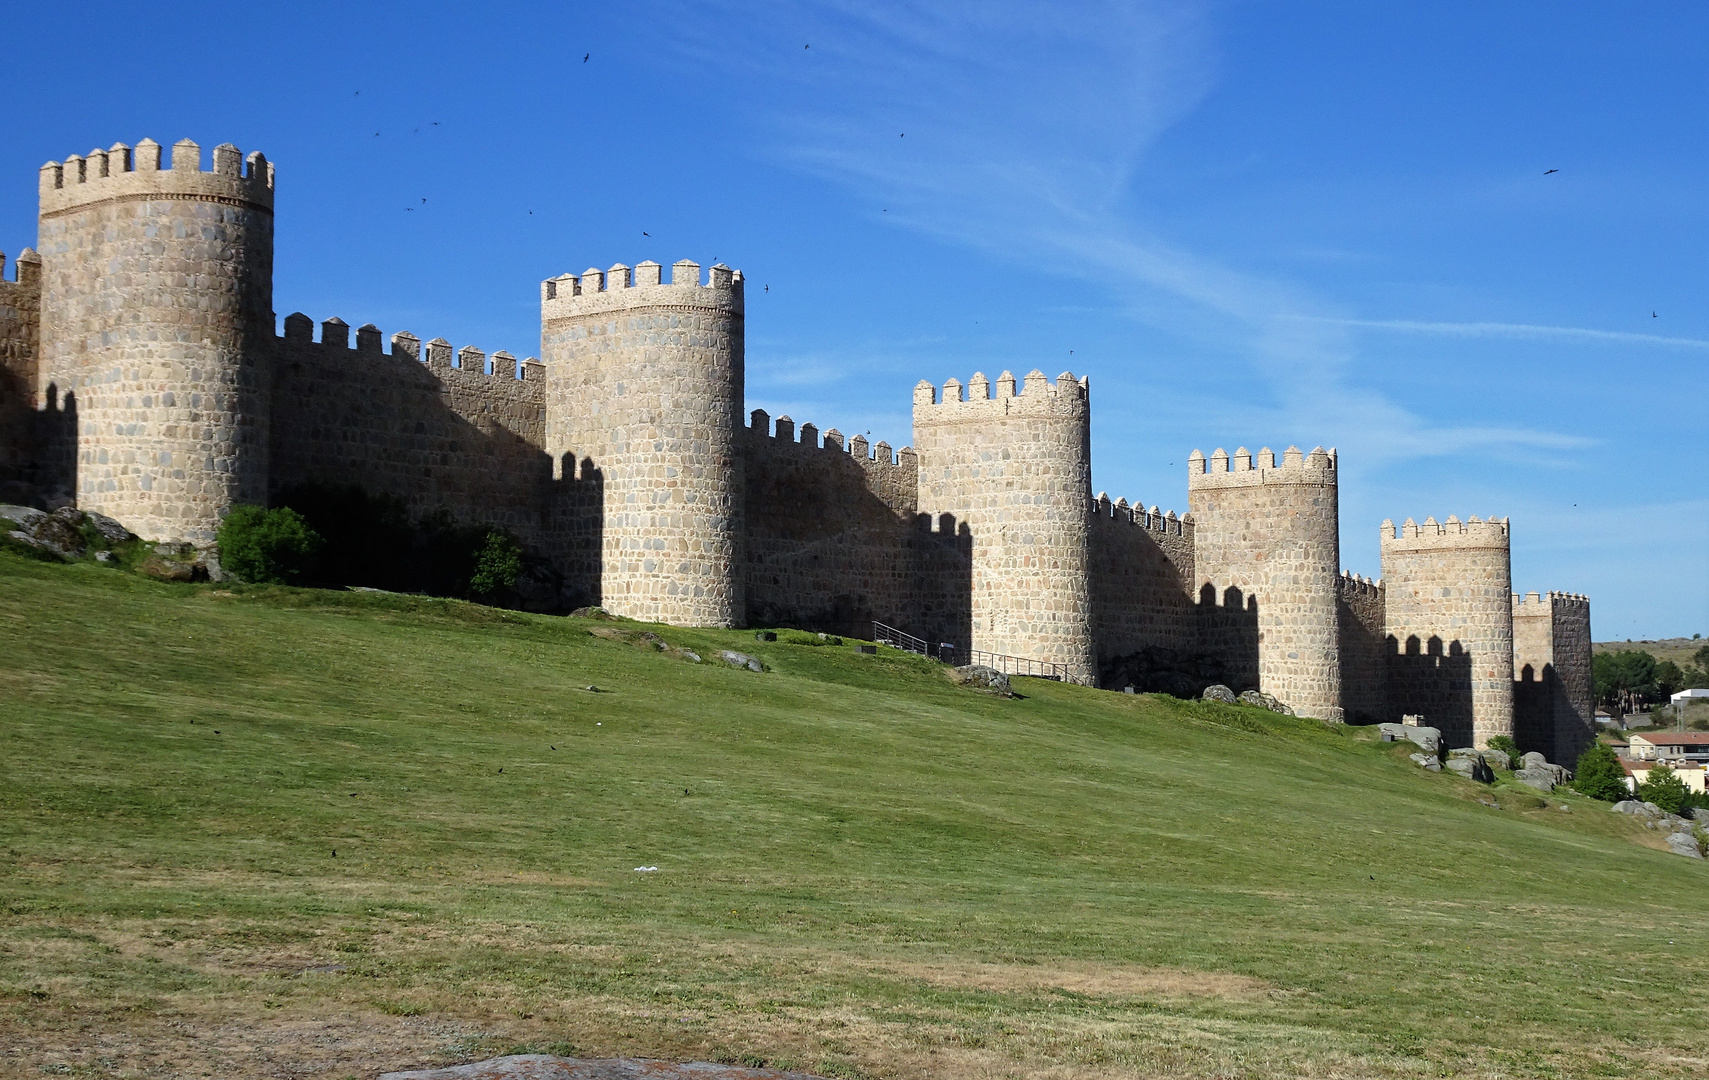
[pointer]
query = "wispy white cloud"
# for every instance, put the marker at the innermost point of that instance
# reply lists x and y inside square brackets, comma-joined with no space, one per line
[1513,330]
[1015,129]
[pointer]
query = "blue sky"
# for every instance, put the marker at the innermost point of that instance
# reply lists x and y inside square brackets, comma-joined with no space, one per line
[1249,223]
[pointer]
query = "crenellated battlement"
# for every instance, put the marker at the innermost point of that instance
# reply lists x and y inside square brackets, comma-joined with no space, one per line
[1035,396]
[620,288]
[874,455]
[1471,533]
[26,271]
[124,173]
[1546,603]
[1357,585]
[1244,470]
[1153,520]
[436,357]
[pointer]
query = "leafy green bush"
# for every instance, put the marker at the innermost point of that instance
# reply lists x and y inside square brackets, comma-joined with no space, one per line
[497,565]
[274,547]
[1506,745]
[1599,775]
[1664,788]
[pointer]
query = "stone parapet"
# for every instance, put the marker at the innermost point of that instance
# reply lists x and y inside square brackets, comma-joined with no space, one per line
[623,288]
[131,174]
[1243,470]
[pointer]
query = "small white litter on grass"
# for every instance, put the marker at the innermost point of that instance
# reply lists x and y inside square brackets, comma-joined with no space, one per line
[645,869]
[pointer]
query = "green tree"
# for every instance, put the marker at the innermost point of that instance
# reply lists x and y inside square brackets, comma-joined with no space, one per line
[1599,774]
[1669,679]
[267,546]
[1630,671]
[1664,788]
[498,564]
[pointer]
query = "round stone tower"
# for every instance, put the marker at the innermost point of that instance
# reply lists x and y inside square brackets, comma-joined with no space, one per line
[1448,621]
[1016,471]
[1272,532]
[644,396]
[157,319]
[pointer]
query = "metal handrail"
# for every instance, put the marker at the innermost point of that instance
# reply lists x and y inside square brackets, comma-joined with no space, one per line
[899,639]
[885,634]
[1020,665]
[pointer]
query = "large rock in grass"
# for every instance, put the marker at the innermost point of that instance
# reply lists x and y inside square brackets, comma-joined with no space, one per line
[1427,761]
[548,1067]
[741,660]
[110,531]
[1684,843]
[161,568]
[50,533]
[1219,692]
[979,677]
[1265,701]
[1428,739]
[1497,759]
[1543,780]
[1470,764]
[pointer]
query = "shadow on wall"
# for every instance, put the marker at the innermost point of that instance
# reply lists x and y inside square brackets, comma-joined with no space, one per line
[1434,681]
[1364,668]
[1534,695]
[895,569]
[1227,653]
[944,566]
[832,541]
[453,445]
[38,459]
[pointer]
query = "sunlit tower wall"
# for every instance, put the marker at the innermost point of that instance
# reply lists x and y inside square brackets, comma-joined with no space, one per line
[1448,617]
[157,316]
[1273,532]
[644,387]
[1015,470]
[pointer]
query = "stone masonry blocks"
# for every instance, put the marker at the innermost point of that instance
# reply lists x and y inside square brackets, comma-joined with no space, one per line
[157,317]
[1016,470]
[1448,613]
[645,380]
[1272,532]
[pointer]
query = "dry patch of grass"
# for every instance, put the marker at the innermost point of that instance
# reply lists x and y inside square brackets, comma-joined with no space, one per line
[1099,980]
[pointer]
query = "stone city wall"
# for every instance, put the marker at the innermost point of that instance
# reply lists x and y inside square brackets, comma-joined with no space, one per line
[441,437]
[1364,660]
[834,540]
[20,318]
[1141,573]
[1448,625]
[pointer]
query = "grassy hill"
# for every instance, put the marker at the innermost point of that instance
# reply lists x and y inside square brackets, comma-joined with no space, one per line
[862,870]
[1680,650]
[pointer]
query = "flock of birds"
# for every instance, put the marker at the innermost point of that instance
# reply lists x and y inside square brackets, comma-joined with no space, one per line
[900,135]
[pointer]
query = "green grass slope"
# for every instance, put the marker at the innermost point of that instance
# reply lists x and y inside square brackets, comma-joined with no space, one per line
[862,870]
